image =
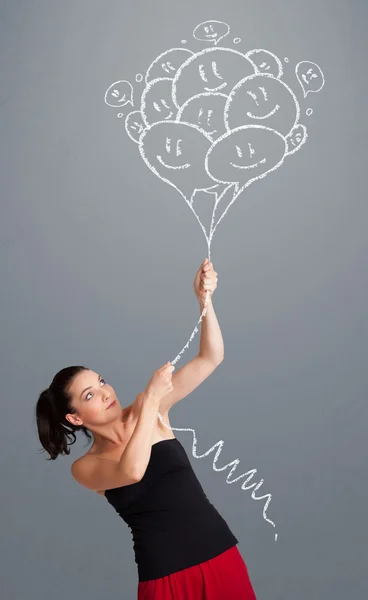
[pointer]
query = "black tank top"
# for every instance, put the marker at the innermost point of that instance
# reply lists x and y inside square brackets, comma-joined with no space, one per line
[173,524]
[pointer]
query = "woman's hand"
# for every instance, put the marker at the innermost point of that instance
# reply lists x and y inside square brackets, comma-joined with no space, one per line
[160,383]
[205,279]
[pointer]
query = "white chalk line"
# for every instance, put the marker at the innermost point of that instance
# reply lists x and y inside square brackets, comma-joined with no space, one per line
[209,31]
[233,464]
[314,74]
[263,66]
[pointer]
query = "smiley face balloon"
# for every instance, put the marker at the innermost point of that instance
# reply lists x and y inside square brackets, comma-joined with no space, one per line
[245,154]
[212,70]
[156,102]
[175,152]
[262,99]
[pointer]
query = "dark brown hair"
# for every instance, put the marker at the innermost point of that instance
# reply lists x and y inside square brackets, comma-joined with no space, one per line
[54,430]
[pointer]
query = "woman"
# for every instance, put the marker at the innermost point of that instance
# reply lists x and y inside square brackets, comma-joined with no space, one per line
[183,548]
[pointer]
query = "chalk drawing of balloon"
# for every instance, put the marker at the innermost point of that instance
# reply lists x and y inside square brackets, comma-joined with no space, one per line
[119,94]
[156,102]
[244,155]
[265,62]
[296,138]
[211,31]
[309,76]
[134,125]
[211,70]
[175,152]
[262,99]
[205,111]
[167,63]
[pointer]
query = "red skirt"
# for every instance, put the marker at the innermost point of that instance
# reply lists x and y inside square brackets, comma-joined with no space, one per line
[224,577]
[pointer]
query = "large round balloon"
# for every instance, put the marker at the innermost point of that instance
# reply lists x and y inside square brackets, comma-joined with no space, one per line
[211,70]
[175,152]
[262,99]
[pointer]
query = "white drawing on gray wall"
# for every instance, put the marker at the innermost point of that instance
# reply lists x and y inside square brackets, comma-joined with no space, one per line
[210,124]
[211,31]
[265,62]
[309,76]
[119,94]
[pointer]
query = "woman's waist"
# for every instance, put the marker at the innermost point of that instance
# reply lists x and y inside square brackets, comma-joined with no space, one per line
[168,526]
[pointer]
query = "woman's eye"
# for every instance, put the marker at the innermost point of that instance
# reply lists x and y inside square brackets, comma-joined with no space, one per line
[91,392]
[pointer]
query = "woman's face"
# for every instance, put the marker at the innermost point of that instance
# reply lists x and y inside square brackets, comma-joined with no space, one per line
[91,396]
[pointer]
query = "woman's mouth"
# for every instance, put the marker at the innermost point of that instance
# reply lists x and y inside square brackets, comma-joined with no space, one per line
[112,404]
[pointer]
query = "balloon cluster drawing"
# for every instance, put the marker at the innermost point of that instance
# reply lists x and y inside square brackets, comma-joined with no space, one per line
[210,124]
[216,120]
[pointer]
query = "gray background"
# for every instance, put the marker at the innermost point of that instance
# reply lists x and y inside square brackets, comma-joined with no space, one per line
[98,258]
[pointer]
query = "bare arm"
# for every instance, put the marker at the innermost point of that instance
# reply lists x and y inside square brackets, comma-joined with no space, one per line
[96,474]
[138,450]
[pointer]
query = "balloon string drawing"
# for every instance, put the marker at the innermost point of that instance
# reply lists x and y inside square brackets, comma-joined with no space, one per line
[211,123]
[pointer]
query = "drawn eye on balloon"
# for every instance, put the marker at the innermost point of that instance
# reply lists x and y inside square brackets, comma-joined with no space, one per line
[119,94]
[211,70]
[156,102]
[167,64]
[296,138]
[211,31]
[262,99]
[265,62]
[206,111]
[309,76]
[134,125]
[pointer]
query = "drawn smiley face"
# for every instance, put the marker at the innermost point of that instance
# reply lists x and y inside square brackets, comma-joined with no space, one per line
[211,31]
[172,158]
[156,102]
[175,153]
[205,111]
[262,99]
[212,70]
[119,94]
[265,62]
[167,63]
[244,154]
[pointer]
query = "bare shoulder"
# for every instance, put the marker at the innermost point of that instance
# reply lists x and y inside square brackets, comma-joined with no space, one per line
[96,475]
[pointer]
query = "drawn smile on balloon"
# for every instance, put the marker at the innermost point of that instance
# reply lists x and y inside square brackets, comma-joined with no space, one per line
[158,108]
[265,98]
[251,152]
[248,166]
[171,166]
[249,114]
[168,150]
[215,73]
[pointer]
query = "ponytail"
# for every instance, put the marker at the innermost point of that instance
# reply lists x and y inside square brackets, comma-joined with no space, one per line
[54,430]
